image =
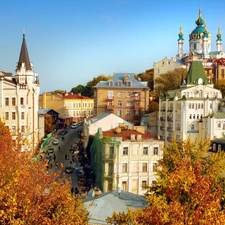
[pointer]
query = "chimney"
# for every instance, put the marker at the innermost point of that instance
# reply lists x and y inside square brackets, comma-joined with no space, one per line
[132,137]
[139,137]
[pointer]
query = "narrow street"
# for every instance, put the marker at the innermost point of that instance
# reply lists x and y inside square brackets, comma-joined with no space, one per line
[62,155]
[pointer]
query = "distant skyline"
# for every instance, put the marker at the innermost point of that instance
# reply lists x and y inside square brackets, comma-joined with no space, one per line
[70,42]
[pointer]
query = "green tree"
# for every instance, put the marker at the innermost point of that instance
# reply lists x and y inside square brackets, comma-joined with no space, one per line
[169,81]
[220,84]
[88,89]
[148,76]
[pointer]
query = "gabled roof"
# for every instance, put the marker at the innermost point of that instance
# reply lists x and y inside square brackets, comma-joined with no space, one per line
[46,111]
[103,206]
[24,57]
[196,72]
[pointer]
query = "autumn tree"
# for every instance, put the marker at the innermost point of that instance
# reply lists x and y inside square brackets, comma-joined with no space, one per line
[148,76]
[190,187]
[169,80]
[220,84]
[31,195]
[49,126]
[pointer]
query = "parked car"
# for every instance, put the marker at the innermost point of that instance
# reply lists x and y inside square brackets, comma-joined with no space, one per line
[55,141]
[74,126]
[69,169]
[50,150]
[63,132]
[80,173]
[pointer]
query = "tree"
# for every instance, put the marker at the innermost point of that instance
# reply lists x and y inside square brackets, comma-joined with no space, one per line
[49,127]
[88,89]
[31,195]
[190,187]
[148,76]
[220,84]
[170,80]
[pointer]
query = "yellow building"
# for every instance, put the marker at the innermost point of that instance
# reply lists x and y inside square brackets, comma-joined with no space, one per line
[123,95]
[70,105]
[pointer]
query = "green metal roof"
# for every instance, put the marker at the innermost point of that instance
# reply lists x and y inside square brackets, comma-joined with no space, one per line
[196,72]
[219,115]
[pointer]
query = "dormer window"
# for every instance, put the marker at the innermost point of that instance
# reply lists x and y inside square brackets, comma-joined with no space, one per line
[119,83]
[111,83]
[128,84]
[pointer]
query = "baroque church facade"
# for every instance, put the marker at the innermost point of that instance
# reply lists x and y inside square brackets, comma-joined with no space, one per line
[19,101]
[200,42]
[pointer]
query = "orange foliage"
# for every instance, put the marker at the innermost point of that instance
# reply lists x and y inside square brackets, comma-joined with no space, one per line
[31,195]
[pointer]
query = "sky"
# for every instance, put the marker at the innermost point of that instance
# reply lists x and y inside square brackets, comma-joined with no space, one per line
[72,41]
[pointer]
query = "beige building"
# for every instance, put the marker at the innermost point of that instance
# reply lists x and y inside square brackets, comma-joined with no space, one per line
[123,95]
[68,105]
[19,101]
[126,159]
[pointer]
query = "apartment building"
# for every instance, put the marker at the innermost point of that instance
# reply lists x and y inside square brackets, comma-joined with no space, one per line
[123,95]
[19,101]
[68,105]
[126,159]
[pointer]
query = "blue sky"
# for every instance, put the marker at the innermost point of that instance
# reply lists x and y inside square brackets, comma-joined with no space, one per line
[70,42]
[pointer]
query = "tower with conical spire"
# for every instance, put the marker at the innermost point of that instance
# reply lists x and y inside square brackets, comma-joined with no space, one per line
[19,101]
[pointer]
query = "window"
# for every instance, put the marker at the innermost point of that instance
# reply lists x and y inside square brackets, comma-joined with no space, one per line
[111,168]
[124,185]
[144,185]
[119,113]
[189,105]
[192,126]
[125,150]
[128,94]
[111,151]
[22,115]
[193,105]
[119,103]
[110,94]
[6,101]
[214,147]
[13,129]
[6,115]
[154,168]
[210,105]
[22,101]
[13,115]
[128,113]
[119,83]
[144,167]
[193,116]
[119,94]
[219,147]
[124,168]
[22,129]
[129,103]
[13,101]
[155,150]
[190,116]
[145,150]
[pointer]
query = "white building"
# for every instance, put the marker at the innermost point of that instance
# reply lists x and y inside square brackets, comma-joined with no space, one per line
[19,101]
[126,159]
[190,111]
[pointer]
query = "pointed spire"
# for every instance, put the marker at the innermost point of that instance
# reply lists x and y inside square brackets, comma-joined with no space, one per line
[219,35]
[24,57]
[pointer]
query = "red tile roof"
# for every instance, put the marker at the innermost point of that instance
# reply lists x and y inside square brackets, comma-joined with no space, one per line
[75,96]
[126,134]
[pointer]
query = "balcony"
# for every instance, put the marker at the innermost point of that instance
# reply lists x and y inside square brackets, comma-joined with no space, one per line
[162,118]
[170,119]
[137,107]
[110,107]
[110,98]
[162,128]
[169,129]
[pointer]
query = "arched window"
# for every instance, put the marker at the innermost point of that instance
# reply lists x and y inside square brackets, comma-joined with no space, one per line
[189,105]
[192,126]
[193,105]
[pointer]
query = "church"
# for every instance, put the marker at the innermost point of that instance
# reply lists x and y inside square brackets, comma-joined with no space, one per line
[200,41]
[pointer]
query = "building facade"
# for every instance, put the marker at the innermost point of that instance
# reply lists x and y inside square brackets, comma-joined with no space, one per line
[123,95]
[183,112]
[19,101]
[125,159]
[68,105]
[200,41]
